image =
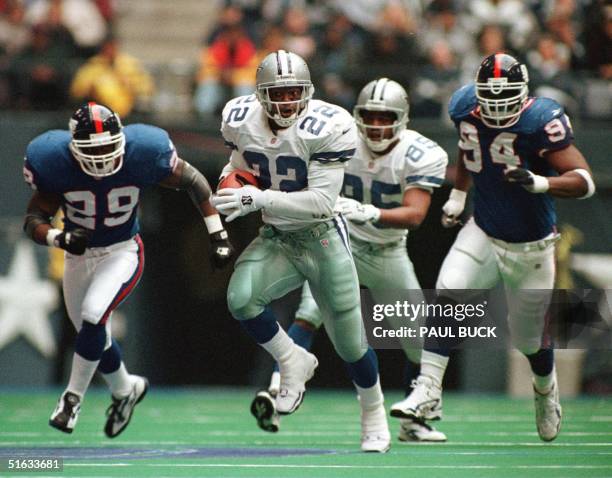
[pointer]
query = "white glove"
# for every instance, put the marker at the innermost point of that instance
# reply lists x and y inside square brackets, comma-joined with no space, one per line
[453,208]
[239,202]
[345,205]
[530,181]
[356,212]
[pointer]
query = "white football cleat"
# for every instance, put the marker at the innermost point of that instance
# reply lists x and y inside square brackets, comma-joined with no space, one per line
[294,373]
[424,402]
[548,412]
[413,430]
[375,435]
[66,413]
[120,412]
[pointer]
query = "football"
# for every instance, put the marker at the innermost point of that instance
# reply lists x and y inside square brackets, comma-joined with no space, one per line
[237,179]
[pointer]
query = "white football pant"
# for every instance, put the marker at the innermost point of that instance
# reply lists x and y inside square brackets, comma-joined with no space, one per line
[99,280]
[527,269]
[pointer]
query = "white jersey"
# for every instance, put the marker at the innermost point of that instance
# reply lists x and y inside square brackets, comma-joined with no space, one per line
[324,133]
[415,162]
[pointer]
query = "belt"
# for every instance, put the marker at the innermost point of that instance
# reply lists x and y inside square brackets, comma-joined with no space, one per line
[539,245]
[102,250]
[375,247]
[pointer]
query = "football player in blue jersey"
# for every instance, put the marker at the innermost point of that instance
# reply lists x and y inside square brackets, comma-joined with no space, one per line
[95,173]
[519,153]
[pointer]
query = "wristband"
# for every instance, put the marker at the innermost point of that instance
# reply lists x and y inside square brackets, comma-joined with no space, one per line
[540,184]
[458,195]
[51,235]
[213,223]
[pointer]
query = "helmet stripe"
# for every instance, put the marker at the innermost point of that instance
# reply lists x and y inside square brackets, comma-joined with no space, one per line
[279,68]
[497,65]
[95,116]
[379,89]
[382,92]
[283,62]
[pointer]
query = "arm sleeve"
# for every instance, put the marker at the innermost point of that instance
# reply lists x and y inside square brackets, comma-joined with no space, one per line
[555,134]
[431,174]
[324,184]
[228,168]
[194,182]
[339,146]
[236,160]
[165,162]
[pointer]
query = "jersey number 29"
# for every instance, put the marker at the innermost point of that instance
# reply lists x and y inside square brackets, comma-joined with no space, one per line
[120,203]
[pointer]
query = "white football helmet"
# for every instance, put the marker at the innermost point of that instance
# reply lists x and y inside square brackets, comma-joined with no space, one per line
[282,69]
[386,95]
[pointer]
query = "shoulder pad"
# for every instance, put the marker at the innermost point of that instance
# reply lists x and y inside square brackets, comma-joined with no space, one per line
[537,114]
[238,110]
[42,152]
[462,102]
[322,120]
[146,139]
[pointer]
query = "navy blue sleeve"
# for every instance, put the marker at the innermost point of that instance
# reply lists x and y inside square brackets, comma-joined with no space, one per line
[553,131]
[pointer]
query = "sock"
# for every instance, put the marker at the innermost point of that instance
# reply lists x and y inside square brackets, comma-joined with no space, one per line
[89,347]
[263,327]
[119,382]
[111,358]
[280,346]
[301,336]
[433,365]
[371,397]
[411,372]
[543,367]
[81,374]
[364,372]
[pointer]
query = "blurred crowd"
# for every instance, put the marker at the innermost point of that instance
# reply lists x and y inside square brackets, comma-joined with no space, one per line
[57,52]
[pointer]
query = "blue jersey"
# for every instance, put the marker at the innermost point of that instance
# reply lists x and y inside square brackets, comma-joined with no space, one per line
[505,210]
[106,206]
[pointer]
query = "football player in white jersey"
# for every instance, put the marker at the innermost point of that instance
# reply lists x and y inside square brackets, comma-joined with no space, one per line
[386,192]
[297,147]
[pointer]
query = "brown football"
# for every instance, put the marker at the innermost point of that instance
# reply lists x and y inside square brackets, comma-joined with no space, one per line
[237,179]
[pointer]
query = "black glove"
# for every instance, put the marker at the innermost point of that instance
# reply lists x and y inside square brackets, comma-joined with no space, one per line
[74,241]
[221,249]
[519,175]
[530,181]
